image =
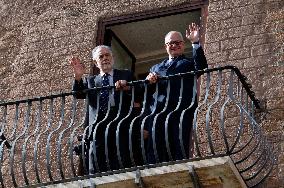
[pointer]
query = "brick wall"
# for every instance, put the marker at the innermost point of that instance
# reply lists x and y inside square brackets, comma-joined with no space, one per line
[38,37]
[250,34]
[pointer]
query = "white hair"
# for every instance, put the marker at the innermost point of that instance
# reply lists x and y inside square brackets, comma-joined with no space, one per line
[94,51]
[172,32]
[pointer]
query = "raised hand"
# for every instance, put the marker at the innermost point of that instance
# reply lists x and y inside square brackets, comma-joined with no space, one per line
[78,67]
[192,33]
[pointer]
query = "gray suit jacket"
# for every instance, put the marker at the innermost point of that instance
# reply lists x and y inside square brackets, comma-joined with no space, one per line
[96,81]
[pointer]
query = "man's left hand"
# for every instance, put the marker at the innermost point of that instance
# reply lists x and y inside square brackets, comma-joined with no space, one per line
[192,33]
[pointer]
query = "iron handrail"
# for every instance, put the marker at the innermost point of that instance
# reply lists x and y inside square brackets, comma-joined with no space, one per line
[246,134]
[241,77]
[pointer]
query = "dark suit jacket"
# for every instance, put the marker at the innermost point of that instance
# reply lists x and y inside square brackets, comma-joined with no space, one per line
[95,81]
[180,64]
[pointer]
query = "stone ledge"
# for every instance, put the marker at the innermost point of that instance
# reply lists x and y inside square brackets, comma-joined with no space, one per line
[214,173]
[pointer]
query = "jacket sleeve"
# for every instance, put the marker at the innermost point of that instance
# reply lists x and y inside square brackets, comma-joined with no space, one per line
[199,59]
[79,87]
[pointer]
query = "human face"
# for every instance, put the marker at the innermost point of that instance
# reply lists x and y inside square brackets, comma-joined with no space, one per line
[174,45]
[104,60]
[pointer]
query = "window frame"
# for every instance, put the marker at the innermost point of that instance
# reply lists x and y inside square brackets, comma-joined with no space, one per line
[105,22]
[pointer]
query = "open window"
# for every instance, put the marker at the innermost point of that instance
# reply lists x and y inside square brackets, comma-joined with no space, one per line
[137,41]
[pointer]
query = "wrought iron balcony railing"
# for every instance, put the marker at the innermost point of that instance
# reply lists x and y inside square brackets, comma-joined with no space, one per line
[47,139]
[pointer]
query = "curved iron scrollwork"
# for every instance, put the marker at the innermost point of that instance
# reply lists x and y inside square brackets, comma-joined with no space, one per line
[52,139]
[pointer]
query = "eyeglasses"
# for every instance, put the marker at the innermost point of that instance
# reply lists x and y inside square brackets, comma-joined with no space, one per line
[177,43]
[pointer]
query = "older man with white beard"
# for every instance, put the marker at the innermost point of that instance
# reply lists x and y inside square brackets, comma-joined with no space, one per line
[108,105]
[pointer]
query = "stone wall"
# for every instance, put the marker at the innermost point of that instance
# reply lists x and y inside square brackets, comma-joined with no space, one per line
[38,37]
[250,35]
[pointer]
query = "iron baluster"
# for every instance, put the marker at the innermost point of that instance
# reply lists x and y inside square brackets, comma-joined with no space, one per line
[117,131]
[194,177]
[263,152]
[132,125]
[3,123]
[167,123]
[60,137]
[28,138]
[273,161]
[194,96]
[195,124]
[38,120]
[144,121]
[260,169]
[208,130]
[155,123]
[26,124]
[87,138]
[251,151]
[217,97]
[49,122]
[112,123]
[53,131]
[94,142]
[39,137]
[70,141]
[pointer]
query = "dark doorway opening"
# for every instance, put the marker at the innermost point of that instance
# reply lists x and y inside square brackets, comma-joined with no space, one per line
[137,40]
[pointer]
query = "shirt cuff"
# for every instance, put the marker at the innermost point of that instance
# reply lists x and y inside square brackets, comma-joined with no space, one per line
[195,46]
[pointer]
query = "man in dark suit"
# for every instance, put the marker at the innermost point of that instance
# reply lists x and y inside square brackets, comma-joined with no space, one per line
[103,104]
[176,63]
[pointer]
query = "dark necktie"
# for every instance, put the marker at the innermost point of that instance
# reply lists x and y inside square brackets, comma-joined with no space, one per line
[104,95]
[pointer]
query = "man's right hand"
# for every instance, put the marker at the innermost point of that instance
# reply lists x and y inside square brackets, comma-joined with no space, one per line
[78,67]
[152,77]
